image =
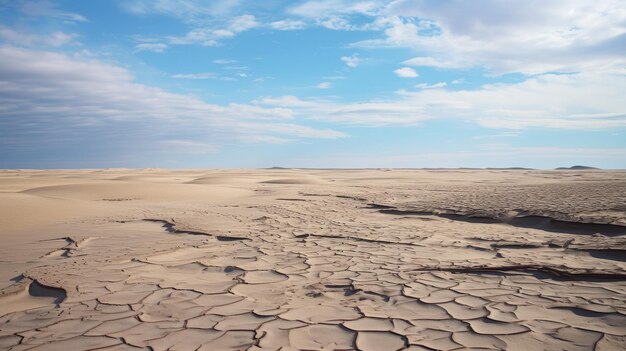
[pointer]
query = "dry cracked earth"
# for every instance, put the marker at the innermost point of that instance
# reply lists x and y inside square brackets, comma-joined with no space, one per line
[313,260]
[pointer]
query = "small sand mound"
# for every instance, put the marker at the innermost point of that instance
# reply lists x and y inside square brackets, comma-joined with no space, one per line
[298,180]
[222,179]
[28,294]
[154,179]
[141,191]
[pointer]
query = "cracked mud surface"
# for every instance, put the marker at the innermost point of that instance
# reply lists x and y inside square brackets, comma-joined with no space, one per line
[313,260]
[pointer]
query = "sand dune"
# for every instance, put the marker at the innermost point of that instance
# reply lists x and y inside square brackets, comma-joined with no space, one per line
[225,180]
[313,260]
[22,211]
[126,191]
[295,180]
[27,294]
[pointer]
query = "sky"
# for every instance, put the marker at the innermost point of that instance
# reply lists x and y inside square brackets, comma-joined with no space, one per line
[337,84]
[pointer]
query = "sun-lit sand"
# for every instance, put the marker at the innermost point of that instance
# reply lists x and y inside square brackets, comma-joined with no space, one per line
[283,259]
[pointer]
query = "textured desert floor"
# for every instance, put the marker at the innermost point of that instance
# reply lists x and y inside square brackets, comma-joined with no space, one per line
[312,260]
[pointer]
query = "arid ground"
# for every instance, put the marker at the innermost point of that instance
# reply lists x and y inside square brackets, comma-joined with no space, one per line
[286,259]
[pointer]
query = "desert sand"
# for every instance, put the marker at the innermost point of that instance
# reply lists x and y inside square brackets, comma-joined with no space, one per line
[283,259]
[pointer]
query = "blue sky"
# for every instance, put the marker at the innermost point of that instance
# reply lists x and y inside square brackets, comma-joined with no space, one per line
[227,83]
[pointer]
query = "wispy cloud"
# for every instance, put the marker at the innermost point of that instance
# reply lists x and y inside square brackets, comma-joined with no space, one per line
[224,61]
[335,77]
[45,8]
[324,85]
[352,60]
[57,95]
[421,61]
[285,101]
[575,101]
[406,72]
[325,8]
[288,25]
[369,113]
[208,75]
[203,75]
[560,36]
[192,11]
[263,139]
[242,23]
[154,47]
[209,36]
[339,14]
[431,86]
[509,134]
[190,146]
[54,39]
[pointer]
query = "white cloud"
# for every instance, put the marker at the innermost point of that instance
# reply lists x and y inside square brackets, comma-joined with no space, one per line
[54,39]
[338,14]
[204,75]
[201,36]
[324,85]
[154,47]
[352,60]
[288,25]
[206,36]
[324,8]
[50,96]
[285,101]
[186,10]
[209,19]
[190,146]
[509,134]
[431,86]
[236,68]
[337,23]
[265,139]
[406,72]
[242,23]
[44,8]
[369,113]
[223,33]
[294,130]
[223,61]
[529,37]
[421,61]
[574,101]
[372,113]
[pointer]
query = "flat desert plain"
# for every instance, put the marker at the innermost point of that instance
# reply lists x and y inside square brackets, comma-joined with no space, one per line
[283,259]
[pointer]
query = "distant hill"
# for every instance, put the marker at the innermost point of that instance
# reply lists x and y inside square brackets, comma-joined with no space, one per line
[577,167]
[510,169]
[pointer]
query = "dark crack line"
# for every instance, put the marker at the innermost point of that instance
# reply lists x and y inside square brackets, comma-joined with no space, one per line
[376,241]
[170,227]
[553,271]
[545,223]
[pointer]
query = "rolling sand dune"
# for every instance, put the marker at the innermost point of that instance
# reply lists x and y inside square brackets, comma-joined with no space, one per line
[126,191]
[295,180]
[313,260]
